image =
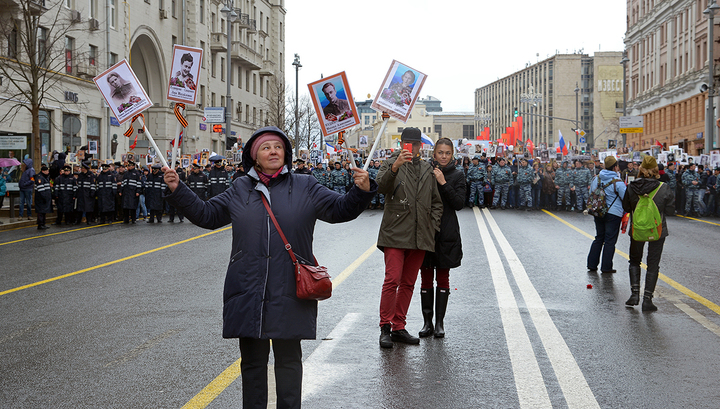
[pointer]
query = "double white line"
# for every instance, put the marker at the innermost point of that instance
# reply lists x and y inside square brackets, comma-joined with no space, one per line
[529,382]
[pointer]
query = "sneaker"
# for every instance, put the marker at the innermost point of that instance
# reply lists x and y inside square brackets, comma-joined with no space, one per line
[404,337]
[385,337]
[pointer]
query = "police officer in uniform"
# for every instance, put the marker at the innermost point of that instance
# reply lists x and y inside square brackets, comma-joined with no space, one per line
[501,178]
[301,169]
[476,175]
[106,191]
[691,181]
[525,176]
[218,177]
[581,179]
[65,188]
[562,184]
[85,194]
[198,182]
[130,193]
[338,178]
[153,194]
[43,196]
[172,211]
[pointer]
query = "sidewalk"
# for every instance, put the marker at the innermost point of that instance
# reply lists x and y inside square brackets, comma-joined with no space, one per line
[8,223]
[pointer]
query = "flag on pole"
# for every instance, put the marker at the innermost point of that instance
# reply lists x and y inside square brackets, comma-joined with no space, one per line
[172,142]
[329,148]
[563,147]
[657,142]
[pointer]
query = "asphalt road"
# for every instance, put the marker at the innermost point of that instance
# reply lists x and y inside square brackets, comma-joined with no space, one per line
[127,316]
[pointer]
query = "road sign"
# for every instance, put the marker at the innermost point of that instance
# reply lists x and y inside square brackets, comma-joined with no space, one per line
[631,124]
[582,140]
[217,128]
[214,115]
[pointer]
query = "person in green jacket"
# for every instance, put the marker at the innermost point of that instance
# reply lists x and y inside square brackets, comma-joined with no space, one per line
[413,208]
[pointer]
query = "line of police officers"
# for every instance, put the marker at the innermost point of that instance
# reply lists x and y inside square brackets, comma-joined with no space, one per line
[115,192]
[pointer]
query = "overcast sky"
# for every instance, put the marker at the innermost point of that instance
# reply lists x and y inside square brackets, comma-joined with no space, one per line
[460,45]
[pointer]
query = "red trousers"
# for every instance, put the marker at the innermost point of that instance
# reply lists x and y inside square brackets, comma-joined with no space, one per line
[401,271]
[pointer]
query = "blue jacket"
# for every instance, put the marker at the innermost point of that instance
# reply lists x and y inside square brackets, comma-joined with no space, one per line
[259,298]
[3,186]
[26,180]
[611,197]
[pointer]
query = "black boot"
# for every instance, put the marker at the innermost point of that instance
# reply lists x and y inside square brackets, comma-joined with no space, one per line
[426,301]
[634,286]
[647,304]
[441,300]
[385,340]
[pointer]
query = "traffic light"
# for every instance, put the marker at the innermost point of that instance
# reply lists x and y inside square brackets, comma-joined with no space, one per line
[516,113]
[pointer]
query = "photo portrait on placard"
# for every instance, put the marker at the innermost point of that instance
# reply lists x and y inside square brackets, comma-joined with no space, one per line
[184,74]
[334,104]
[544,156]
[363,142]
[122,91]
[399,91]
[185,162]
[92,147]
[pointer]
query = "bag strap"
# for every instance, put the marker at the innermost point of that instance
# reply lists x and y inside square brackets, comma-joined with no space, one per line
[654,192]
[288,247]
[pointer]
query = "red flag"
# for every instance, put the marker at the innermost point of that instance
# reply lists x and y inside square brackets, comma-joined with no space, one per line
[487,133]
[172,141]
[657,142]
[530,146]
[565,150]
[510,132]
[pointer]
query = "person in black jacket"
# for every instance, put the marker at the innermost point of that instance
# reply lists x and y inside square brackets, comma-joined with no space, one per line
[448,246]
[260,301]
[218,177]
[85,194]
[130,193]
[664,199]
[198,182]
[106,191]
[43,196]
[64,194]
[153,194]
[172,211]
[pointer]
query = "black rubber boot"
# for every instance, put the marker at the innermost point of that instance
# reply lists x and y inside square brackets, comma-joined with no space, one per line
[441,300]
[426,301]
[634,286]
[650,281]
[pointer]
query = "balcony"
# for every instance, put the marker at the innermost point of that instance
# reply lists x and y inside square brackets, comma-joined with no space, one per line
[243,20]
[268,69]
[245,56]
[84,68]
[252,28]
[35,7]
[218,42]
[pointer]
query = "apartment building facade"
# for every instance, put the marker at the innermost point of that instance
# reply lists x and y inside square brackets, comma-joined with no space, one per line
[99,33]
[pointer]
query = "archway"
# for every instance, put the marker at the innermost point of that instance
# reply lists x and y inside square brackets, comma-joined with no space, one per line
[149,66]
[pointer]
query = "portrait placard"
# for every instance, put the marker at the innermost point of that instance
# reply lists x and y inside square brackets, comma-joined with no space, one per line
[399,91]
[184,74]
[92,147]
[334,104]
[122,91]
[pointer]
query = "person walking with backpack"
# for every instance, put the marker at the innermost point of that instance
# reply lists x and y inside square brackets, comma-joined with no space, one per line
[647,198]
[607,225]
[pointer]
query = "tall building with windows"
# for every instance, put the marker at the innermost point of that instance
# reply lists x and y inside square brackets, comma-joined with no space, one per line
[667,46]
[552,95]
[99,33]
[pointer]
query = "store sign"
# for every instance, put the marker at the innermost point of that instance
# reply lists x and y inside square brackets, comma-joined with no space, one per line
[13,142]
[71,96]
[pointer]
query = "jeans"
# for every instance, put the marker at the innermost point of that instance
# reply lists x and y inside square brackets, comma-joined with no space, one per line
[607,229]
[26,200]
[288,372]
[536,190]
[141,205]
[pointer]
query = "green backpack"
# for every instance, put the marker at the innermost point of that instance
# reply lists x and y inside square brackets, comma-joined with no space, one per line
[646,218]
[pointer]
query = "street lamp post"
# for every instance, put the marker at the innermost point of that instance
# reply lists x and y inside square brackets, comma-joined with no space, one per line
[624,62]
[231,16]
[297,65]
[710,113]
[577,124]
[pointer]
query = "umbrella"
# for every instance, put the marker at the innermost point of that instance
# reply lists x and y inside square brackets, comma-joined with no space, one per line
[5,162]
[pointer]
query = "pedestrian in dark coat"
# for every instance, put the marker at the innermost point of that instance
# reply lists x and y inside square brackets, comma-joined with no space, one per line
[43,196]
[448,246]
[198,182]
[85,194]
[106,191]
[153,194]
[664,199]
[130,193]
[260,301]
[64,194]
[218,177]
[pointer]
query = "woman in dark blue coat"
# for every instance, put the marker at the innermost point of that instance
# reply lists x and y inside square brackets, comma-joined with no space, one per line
[259,297]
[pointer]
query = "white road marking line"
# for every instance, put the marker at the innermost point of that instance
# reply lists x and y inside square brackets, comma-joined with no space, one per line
[571,379]
[529,382]
[317,372]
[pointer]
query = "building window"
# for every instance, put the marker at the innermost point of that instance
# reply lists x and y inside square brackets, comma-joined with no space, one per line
[212,99]
[254,117]
[212,65]
[42,47]
[400,129]
[222,100]
[202,11]
[92,56]
[247,80]
[173,3]
[254,84]
[202,95]
[212,22]
[113,14]
[222,69]
[202,46]
[438,130]
[94,9]
[93,128]
[69,42]
[240,77]
[281,31]
[247,113]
